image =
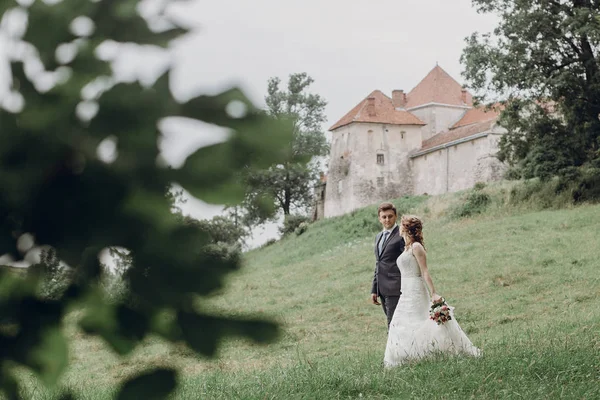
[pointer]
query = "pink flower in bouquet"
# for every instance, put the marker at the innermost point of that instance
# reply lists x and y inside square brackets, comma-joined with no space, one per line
[440,312]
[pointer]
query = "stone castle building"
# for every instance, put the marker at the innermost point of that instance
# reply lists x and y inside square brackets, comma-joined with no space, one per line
[431,140]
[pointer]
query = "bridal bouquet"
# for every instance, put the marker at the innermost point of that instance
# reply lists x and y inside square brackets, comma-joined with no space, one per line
[440,312]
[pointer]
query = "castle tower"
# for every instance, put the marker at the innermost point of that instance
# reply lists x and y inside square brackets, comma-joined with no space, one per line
[439,101]
[369,157]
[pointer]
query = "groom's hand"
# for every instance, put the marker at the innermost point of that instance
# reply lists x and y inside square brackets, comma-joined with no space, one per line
[374,299]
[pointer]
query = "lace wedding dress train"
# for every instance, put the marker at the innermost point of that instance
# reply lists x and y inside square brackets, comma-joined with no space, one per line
[412,335]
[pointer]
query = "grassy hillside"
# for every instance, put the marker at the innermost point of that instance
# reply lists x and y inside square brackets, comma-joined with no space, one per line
[525,285]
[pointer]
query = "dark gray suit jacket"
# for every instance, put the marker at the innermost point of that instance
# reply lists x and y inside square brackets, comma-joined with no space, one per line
[386,279]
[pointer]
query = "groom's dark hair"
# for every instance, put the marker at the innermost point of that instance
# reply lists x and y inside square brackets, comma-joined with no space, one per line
[385,207]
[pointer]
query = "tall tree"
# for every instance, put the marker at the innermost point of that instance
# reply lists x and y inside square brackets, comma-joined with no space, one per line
[542,60]
[291,182]
[55,188]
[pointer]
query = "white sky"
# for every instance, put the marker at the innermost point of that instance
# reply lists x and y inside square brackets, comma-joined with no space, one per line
[350,48]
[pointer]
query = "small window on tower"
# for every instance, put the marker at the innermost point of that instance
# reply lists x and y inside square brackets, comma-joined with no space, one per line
[380,159]
[380,181]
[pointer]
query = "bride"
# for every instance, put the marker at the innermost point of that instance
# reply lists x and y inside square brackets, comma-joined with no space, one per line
[412,335]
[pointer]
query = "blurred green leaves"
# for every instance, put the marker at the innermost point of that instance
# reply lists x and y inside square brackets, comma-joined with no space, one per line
[55,187]
[153,385]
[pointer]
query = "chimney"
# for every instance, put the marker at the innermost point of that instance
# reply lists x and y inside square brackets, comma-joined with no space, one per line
[463,95]
[399,98]
[371,106]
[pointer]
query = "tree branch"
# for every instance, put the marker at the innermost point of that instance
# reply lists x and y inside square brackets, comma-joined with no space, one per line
[279,200]
[564,64]
[573,46]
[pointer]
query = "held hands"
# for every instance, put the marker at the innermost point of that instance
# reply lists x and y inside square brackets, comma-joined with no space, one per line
[374,299]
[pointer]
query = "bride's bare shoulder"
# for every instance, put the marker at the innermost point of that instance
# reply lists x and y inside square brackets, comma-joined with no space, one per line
[418,248]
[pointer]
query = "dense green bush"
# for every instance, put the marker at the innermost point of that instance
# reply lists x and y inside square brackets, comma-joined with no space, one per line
[227,252]
[291,222]
[587,187]
[476,202]
[573,186]
[301,228]
[269,242]
[479,186]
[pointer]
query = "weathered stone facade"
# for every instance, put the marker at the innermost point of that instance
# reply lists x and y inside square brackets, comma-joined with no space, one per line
[382,150]
[457,165]
[438,117]
[318,211]
[369,161]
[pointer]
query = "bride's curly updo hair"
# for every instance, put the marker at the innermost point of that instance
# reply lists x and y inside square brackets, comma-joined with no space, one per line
[413,226]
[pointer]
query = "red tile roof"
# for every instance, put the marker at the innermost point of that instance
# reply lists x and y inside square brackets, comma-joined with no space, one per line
[438,87]
[456,134]
[383,112]
[479,114]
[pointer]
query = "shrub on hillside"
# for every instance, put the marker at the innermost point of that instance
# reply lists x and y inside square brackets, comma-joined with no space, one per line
[513,173]
[224,251]
[525,191]
[301,228]
[475,202]
[573,186]
[269,243]
[291,222]
[587,187]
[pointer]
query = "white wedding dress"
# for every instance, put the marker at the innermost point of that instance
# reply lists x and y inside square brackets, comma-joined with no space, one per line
[412,335]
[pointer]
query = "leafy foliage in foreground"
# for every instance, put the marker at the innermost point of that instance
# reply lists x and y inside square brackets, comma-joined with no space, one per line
[56,187]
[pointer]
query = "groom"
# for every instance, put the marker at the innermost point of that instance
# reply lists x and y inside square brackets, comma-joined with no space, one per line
[388,247]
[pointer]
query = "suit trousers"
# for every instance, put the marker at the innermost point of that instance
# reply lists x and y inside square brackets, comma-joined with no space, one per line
[389,303]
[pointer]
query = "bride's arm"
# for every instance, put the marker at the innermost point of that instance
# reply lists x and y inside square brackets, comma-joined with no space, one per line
[421,257]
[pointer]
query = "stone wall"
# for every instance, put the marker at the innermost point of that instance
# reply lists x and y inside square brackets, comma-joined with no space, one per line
[369,163]
[457,166]
[318,211]
[438,118]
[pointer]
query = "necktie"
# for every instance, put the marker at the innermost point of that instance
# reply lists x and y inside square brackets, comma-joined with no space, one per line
[382,241]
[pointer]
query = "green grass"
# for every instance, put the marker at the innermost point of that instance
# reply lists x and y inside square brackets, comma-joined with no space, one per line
[525,285]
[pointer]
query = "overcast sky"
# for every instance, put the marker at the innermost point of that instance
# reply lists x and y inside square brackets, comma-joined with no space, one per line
[349,47]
